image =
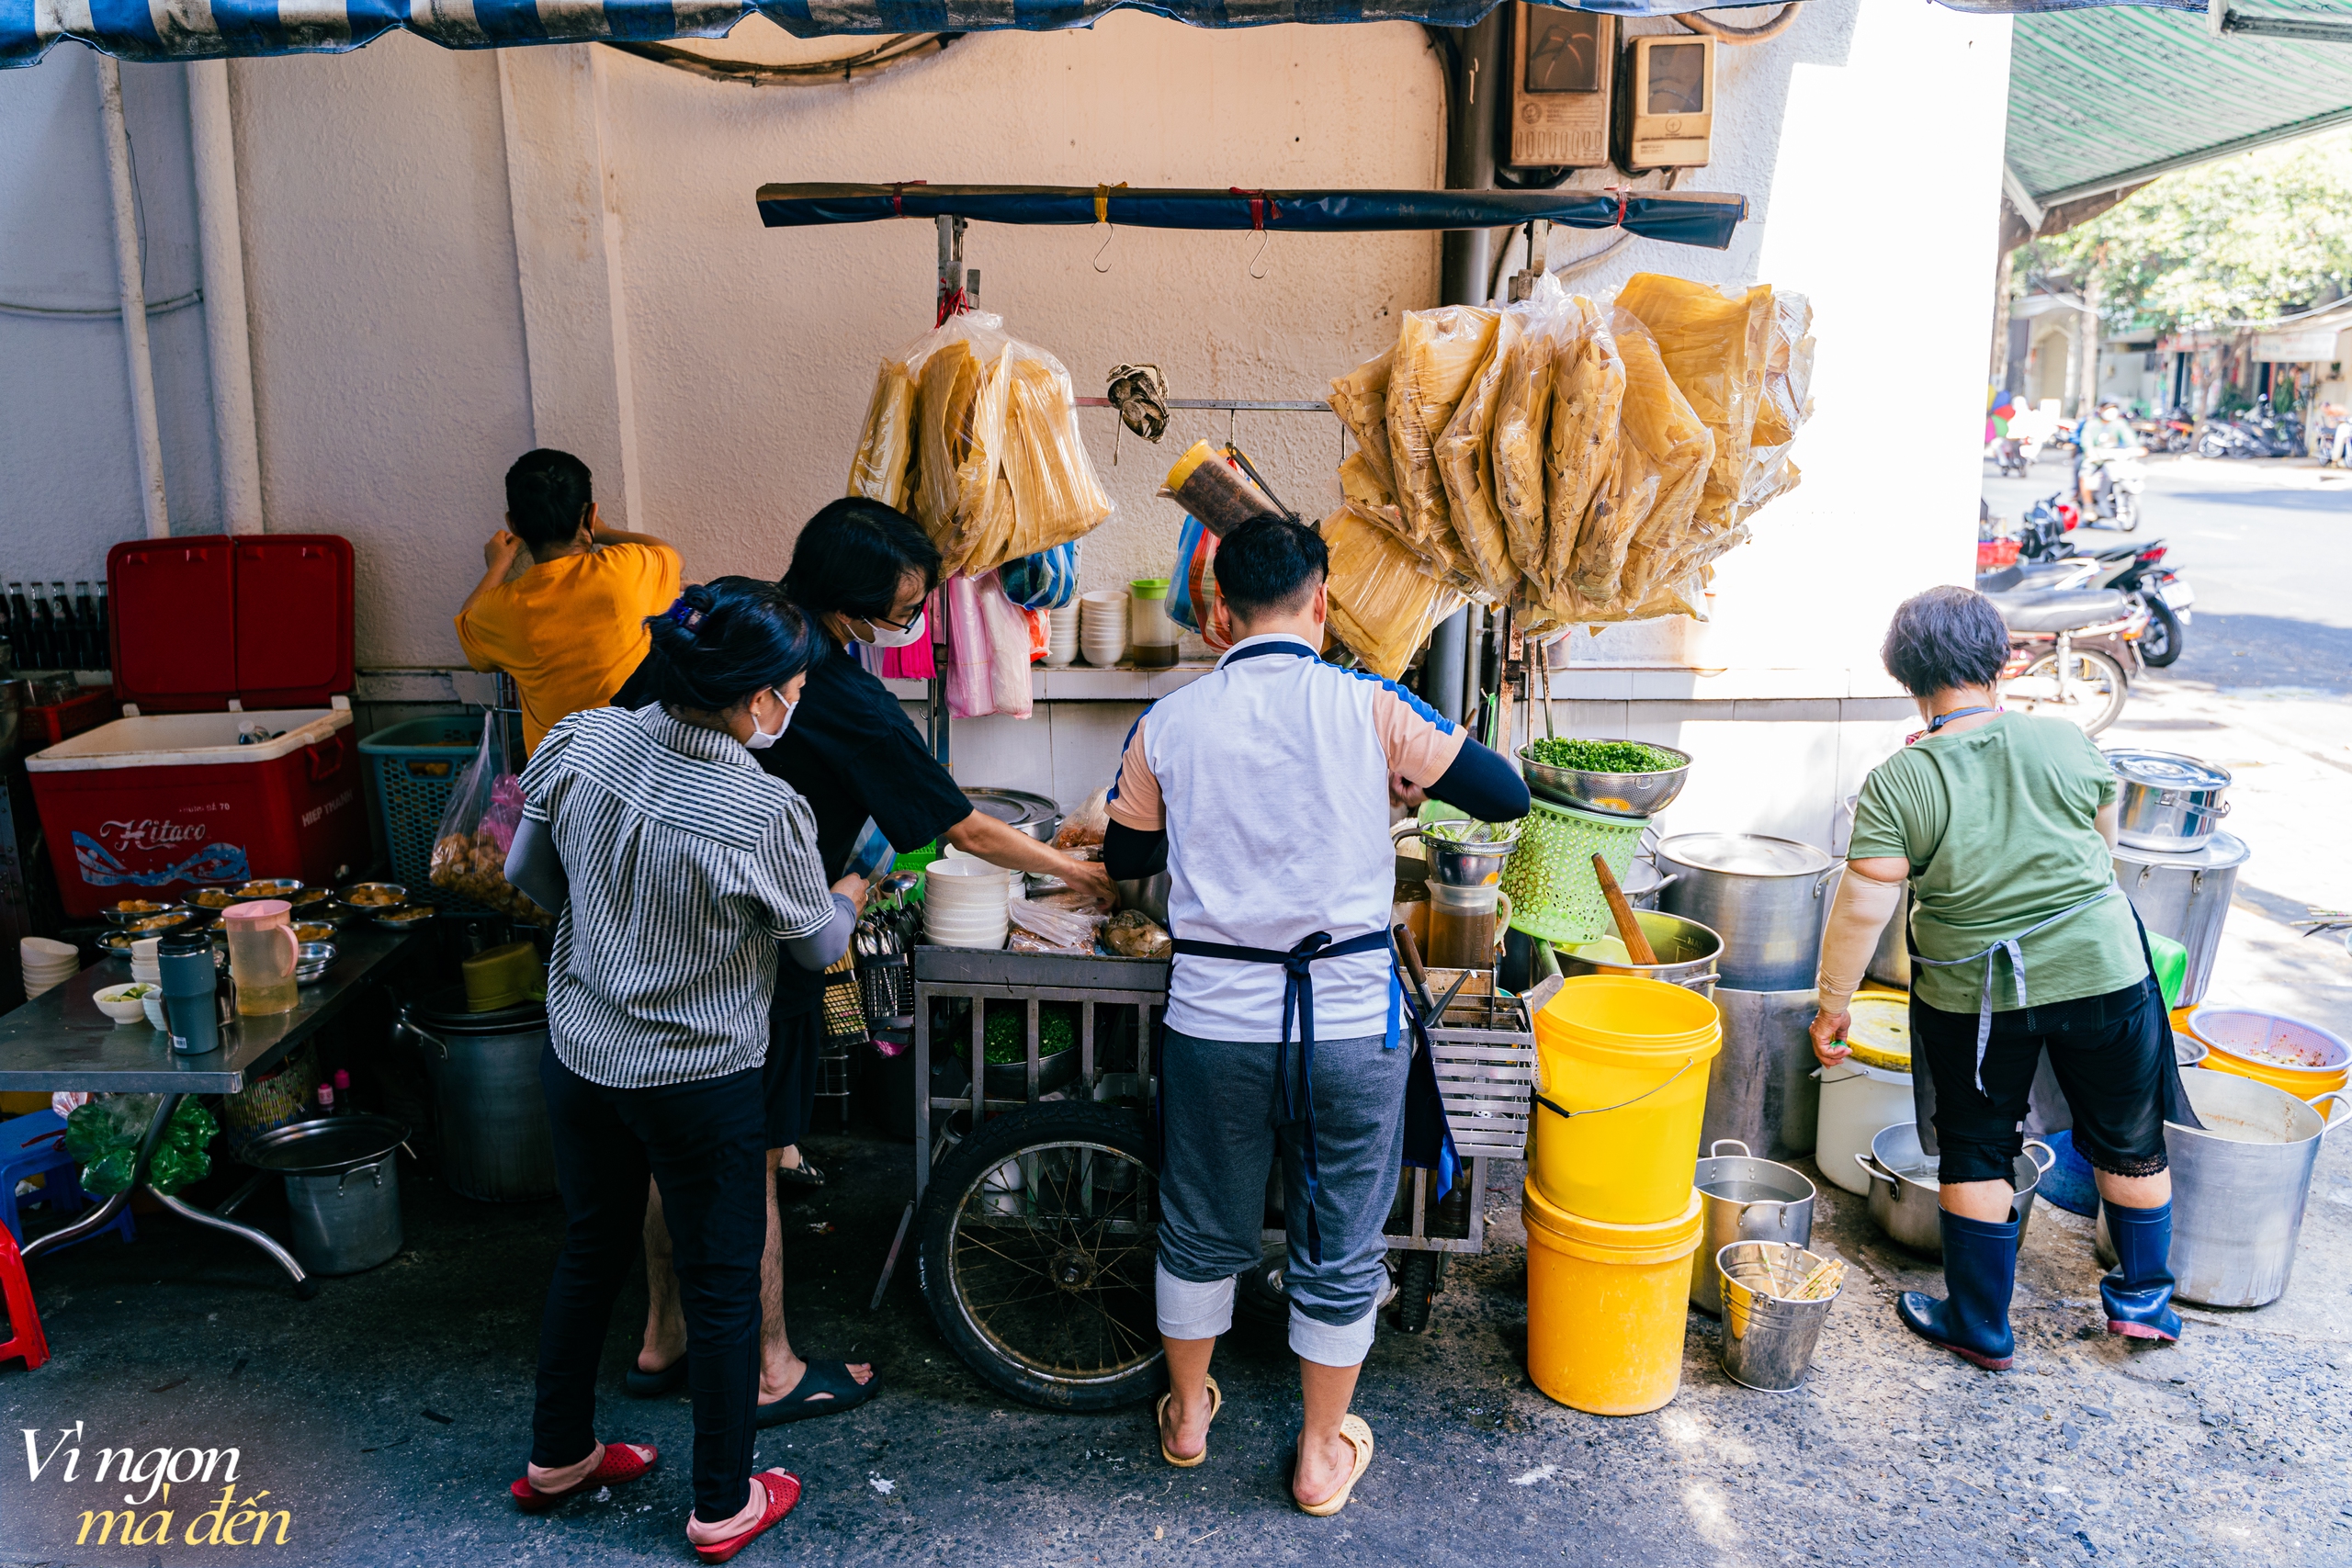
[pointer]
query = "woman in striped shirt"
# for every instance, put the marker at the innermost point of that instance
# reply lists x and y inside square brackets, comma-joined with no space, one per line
[680,869]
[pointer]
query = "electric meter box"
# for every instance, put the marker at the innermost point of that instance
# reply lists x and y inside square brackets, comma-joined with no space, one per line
[1665,102]
[1562,70]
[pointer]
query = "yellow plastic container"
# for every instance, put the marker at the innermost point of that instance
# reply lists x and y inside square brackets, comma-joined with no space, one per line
[1627,1057]
[2323,1059]
[1606,1306]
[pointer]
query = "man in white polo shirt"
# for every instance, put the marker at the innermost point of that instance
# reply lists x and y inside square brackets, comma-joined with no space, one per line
[1266,788]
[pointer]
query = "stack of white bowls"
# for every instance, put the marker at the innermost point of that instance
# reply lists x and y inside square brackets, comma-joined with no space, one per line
[964,903]
[48,964]
[1103,626]
[1061,633]
[144,967]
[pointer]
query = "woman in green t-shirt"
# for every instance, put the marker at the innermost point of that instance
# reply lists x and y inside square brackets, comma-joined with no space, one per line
[2004,826]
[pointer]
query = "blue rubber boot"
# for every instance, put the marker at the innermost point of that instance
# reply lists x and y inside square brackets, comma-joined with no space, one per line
[2138,1293]
[1980,1270]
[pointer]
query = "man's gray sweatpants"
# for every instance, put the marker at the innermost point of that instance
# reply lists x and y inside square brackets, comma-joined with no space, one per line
[1219,1100]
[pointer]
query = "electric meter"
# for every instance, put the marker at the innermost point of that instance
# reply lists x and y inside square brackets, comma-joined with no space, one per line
[1560,78]
[1665,102]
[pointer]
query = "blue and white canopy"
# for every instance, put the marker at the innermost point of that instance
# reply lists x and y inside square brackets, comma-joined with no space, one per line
[201,30]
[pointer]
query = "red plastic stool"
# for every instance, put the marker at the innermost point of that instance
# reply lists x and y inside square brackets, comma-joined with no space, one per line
[23,1321]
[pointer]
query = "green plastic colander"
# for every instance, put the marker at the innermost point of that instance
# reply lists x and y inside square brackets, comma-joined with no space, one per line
[1553,893]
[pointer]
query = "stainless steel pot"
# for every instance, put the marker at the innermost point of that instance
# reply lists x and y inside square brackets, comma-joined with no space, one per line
[2238,1187]
[1762,1090]
[1766,898]
[2168,801]
[1461,862]
[1033,815]
[1742,1198]
[343,1188]
[1905,1191]
[488,1110]
[1686,952]
[1642,882]
[2186,896]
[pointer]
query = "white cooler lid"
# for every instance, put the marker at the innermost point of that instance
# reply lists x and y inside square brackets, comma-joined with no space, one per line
[191,739]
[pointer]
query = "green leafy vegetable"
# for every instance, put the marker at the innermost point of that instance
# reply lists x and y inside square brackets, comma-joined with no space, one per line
[1602,756]
[1057,1031]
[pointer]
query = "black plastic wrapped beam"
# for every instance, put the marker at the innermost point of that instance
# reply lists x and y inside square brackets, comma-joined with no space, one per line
[1684,217]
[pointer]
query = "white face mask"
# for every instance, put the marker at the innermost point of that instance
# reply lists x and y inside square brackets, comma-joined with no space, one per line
[885,636]
[761,740]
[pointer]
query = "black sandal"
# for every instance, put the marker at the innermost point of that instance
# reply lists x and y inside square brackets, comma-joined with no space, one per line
[654,1385]
[817,1378]
[801,1175]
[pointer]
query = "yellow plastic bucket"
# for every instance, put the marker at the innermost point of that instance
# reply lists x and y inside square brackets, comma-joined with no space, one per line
[1606,1306]
[2285,1053]
[1626,1058]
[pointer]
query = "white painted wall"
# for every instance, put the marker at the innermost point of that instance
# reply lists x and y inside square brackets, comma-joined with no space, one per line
[69,471]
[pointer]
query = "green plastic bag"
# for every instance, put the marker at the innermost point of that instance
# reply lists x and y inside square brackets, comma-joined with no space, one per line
[103,1137]
[2172,966]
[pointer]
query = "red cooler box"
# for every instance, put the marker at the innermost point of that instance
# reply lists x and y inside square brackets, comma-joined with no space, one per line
[233,657]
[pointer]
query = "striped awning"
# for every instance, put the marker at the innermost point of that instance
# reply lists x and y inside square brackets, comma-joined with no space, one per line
[202,30]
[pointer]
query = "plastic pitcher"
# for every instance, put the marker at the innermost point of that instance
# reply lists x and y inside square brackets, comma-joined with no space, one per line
[262,954]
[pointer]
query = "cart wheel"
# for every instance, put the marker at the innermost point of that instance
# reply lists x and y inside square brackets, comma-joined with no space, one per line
[1038,1246]
[1416,1289]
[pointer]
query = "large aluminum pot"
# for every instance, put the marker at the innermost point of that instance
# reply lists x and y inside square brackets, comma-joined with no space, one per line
[1686,952]
[1905,1191]
[1766,898]
[1762,1090]
[2238,1187]
[1742,1198]
[489,1108]
[2168,802]
[343,1188]
[2186,896]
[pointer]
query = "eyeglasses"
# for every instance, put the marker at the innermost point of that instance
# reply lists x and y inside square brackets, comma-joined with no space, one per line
[907,624]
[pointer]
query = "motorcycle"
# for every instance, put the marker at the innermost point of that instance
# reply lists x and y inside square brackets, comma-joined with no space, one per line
[2014,456]
[2048,563]
[2072,652]
[2111,482]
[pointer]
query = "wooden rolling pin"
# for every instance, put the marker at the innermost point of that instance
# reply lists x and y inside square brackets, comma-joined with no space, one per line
[1629,930]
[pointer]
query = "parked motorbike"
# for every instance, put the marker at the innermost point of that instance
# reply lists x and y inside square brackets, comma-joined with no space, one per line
[2014,456]
[2049,562]
[2072,652]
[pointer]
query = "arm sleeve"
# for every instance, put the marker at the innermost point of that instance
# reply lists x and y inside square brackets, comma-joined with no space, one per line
[1480,782]
[822,948]
[1857,916]
[789,880]
[478,655]
[533,865]
[1130,854]
[1134,792]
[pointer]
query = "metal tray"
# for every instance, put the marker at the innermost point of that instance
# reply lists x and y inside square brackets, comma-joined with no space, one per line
[986,967]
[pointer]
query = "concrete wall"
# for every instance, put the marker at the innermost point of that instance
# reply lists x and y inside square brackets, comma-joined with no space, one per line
[69,468]
[453,257]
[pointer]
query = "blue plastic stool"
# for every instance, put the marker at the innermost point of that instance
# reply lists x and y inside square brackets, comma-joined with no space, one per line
[35,1145]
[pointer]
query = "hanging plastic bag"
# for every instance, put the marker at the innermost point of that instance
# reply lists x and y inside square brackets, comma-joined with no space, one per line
[1586,517]
[1714,342]
[883,466]
[1465,463]
[1193,597]
[1663,465]
[1361,400]
[1438,352]
[1044,580]
[1047,493]
[1785,404]
[477,829]
[1384,603]
[1523,430]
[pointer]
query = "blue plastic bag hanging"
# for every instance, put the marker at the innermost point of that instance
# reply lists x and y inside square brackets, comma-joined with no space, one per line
[1046,581]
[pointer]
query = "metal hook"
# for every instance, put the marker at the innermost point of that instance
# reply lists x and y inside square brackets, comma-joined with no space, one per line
[1259,256]
[1111,231]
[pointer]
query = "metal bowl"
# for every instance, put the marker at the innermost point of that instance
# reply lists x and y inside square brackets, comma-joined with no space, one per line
[166,922]
[253,889]
[313,960]
[413,915]
[117,916]
[399,896]
[1612,794]
[213,899]
[304,897]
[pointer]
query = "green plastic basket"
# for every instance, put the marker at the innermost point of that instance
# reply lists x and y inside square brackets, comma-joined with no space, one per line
[1553,893]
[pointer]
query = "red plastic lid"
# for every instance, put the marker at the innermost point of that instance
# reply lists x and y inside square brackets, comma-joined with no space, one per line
[198,621]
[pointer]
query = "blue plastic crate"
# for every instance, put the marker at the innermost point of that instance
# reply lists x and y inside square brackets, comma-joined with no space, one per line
[416,765]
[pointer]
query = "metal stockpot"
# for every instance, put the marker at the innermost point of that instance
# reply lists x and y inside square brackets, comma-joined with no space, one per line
[2238,1187]
[1742,1198]
[1905,1191]
[2186,896]
[1766,898]
[489,1110]
[1762,1090]
[2168,802]
[1687,953]
[343,1188]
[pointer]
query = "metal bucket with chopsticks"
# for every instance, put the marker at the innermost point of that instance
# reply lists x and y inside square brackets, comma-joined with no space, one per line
[1776,1297]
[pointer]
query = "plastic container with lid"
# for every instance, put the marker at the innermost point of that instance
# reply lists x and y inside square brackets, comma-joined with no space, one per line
[1151,633]
[263,951]
[1867,1092]
[233,657]
[502,976]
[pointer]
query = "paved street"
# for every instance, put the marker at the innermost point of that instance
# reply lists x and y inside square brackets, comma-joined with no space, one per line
[390,1414]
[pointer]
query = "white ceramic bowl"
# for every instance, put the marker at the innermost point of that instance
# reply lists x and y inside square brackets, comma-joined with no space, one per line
[115,1005]
[991,938]
[963,870]
[964,922]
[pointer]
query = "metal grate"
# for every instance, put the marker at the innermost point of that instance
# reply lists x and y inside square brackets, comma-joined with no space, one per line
[1485,1059]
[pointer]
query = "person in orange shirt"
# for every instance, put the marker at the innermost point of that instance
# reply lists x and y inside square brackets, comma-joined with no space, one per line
[569,626]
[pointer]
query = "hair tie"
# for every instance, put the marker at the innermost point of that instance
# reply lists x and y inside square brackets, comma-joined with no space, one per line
[685,615]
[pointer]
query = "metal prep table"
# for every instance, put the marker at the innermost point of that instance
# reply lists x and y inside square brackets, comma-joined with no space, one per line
[61,1040]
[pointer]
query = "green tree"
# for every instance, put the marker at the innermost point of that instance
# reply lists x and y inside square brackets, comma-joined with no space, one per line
[2244,238]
